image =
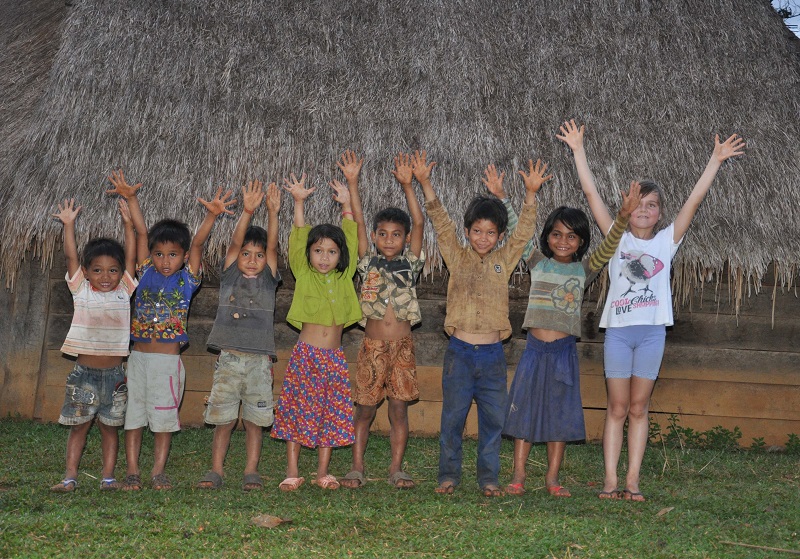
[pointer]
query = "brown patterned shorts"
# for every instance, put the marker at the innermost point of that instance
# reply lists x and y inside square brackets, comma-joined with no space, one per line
[386,369]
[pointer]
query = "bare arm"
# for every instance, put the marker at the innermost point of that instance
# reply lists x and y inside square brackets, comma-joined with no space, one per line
[341,194]
[130,238]
[252,194]
[68,213]
[404,173]
[297,188]
[573,137]
[214,208]
[731,147]
[273,203]
[534,179]
[350,166]
[130,193]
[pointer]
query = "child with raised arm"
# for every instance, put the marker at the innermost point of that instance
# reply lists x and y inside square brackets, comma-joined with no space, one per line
[244,334]
[169,274]
[315,409]
[544,402]
[386,363]
[101,283]
[639,305]
[477,319]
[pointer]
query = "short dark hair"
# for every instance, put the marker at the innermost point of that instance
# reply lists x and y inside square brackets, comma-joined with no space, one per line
[573,218]
[392,215]
[169,231]
[334,233]
[488,208]
[101,246]
[256,235]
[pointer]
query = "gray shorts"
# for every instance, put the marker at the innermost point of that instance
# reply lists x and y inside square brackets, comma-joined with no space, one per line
[95,392]
[155,391]
[244,378]
[634,351]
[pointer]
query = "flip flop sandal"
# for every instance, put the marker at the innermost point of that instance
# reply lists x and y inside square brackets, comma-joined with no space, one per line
[515,489]
[291,483]
[110,484]
[397,477]
[212,480]
[633,496]
[356,477]
[161,482]
[252,482]
[133,482]
[327,482]
[614,495]
[67,485]
[558,491]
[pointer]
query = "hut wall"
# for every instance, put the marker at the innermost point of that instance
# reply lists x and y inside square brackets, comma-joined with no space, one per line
[716,371]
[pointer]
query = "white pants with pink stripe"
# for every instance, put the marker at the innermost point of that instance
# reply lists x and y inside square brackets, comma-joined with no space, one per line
[155,391]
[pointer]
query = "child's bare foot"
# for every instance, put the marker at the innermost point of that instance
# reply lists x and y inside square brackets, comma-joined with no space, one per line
[447,487]
[401,480]
[491,490]
[558,491]
[515,489]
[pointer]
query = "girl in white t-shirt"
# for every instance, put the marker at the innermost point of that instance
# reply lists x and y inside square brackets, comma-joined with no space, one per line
[639,305]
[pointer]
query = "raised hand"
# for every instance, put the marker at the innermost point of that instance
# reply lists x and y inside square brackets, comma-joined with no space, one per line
[494,181]
[403,170]
[571,134]
[273,201]
[220,203]
[536,176]
[252,194]
[121,186]
[631,200]
[68,212]
[297,187]
[420,166]
[731,147]
[340,192]
[350,165]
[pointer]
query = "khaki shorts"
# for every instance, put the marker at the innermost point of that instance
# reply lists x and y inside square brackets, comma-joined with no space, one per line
[155,391]
[244,378]
[386,369]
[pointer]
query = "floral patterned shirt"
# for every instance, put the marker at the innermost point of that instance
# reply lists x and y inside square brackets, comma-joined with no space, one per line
[390,282]
[161,305]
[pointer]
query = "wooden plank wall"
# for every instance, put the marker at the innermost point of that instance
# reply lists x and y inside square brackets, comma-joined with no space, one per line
[717,370]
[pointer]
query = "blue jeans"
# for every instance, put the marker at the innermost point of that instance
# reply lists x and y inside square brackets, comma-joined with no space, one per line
[472,372]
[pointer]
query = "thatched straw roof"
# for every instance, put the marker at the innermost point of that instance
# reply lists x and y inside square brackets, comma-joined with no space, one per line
[187,95]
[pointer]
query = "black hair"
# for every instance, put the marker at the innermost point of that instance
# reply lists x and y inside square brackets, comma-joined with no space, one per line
[256,235]
[169,231]
[327,231]
[102,246]
[573,218]
[488,208]
[392,215]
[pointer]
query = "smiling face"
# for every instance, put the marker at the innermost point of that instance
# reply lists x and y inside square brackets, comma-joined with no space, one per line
[168,257]
[645,217]
[390,239]
[104,273]
[483,236]
[252,260]
[323,255]
[563,242]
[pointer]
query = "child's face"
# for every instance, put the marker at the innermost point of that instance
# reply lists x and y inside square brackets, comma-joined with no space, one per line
[168,257]
[104,273]
[648,213]
[252,260]
[564,242]
[483,236]
[390,239]
[324,256]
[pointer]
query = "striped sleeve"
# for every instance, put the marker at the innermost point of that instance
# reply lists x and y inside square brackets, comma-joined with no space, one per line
[513,219]
[608,247]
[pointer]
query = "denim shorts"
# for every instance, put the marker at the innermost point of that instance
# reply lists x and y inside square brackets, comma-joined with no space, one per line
[634,351]
[241,377]
[95,392]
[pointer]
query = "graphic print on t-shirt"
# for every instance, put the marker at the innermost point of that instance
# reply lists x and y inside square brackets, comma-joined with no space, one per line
[639,267]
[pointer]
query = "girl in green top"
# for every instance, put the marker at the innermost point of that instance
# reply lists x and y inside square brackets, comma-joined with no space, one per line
[315,408]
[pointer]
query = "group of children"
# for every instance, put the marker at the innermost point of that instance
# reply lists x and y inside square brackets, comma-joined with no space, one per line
[315,408]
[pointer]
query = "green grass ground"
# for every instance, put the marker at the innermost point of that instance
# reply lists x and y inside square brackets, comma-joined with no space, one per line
[696,501]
